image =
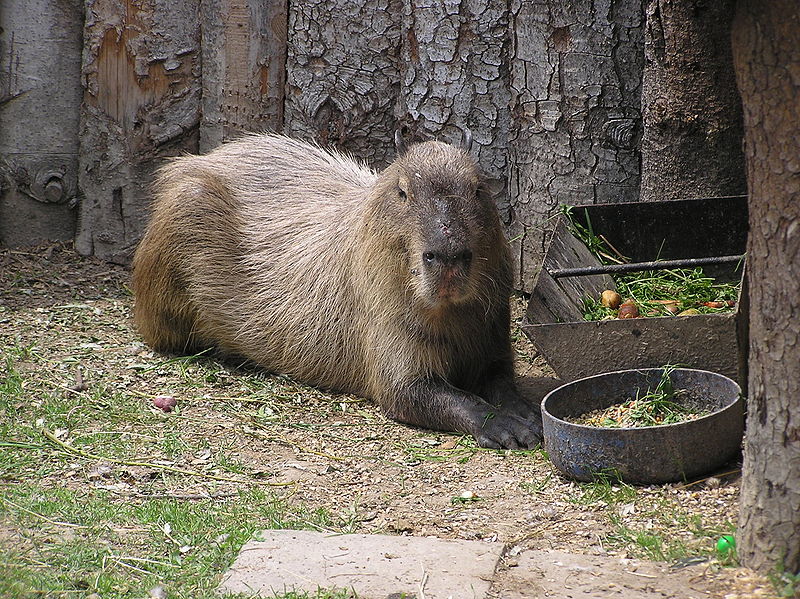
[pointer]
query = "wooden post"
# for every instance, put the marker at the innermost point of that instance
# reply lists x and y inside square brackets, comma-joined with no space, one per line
[244,68]
[141,74]
[40,97]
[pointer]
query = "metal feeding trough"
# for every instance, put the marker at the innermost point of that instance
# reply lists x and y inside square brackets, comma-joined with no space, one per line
[650,455]
[708,232]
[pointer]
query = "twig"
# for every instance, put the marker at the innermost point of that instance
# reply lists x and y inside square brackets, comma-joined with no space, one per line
[118,561]
[613,249]
[640,574]
[422,583]
[702,480]
[45,518]
[66,448]
[294,444]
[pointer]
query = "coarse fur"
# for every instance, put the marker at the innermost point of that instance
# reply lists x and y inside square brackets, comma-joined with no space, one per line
[393,286]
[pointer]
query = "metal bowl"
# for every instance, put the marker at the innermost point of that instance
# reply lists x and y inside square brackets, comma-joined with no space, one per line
[648,455]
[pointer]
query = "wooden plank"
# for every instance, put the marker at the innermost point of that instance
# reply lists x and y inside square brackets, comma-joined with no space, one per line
[566,251]
[549,304]
[141,68]
[244,68]
[560,300]
[40,97]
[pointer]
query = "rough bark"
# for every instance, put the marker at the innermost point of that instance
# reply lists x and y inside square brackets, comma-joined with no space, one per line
[766,48]
[692,143]
[575,100]
[141,74]
[244,68]
[342,75]
[40,96]
[455,76]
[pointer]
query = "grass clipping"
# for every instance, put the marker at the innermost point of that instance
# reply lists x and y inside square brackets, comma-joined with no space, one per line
[658,406]
[666,292]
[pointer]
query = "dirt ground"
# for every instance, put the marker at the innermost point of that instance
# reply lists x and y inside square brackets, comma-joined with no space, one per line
[340,452]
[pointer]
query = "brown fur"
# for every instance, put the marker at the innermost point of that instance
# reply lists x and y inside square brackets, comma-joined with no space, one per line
[392,286]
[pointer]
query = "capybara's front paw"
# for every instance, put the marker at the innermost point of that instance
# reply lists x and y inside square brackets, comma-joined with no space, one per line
[507,431]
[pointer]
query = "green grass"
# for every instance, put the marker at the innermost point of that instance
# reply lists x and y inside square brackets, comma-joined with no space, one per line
[62,535]
[689,287]
[88,541]
[786,584]
[676,535]
[606,489]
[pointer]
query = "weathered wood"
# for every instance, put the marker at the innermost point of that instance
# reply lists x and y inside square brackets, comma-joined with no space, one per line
[575,99]
[342,75]
[40,96]
[766,47]
[455,76]
[562,297]
[692,142]
[244,68]
[141,103]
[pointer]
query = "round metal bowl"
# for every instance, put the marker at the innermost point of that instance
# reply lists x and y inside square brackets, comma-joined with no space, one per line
[648,455]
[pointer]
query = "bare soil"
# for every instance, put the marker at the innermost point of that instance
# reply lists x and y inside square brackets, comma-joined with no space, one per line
[338,452]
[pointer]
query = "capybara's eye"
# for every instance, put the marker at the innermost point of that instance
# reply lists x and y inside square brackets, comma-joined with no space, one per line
[466,256]
[428,257]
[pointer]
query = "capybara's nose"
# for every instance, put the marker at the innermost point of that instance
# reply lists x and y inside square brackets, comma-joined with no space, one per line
[460,257]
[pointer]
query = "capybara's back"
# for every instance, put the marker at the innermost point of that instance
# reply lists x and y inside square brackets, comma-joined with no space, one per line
[392,286]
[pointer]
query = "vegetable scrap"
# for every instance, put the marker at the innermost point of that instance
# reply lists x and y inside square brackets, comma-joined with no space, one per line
[659,406]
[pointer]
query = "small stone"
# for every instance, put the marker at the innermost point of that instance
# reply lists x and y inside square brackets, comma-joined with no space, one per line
[165,402]
[157,592]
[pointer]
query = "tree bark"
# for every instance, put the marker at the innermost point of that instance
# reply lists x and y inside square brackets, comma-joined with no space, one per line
[766,50]
[342,75]
[244,68]
[692,143]
[575,100]
[455,77]
[141,75]
[40,97]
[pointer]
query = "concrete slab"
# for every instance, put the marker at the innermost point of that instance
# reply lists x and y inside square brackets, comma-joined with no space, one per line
[556,574]
[375,566]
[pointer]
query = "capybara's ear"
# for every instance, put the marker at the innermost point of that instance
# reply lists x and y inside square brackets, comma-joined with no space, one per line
[399,142]
[466,140]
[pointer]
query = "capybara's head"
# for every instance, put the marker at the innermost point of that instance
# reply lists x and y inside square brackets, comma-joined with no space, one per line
[433,197]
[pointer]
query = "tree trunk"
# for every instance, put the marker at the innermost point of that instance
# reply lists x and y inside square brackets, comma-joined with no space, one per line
[342,75]
[141,74]
[40,98]
[766,50]
[244,68]
[575,99]
[455,76]
[692,144]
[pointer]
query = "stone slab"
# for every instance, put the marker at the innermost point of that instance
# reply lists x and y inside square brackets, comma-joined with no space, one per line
[555,574]
[374,566]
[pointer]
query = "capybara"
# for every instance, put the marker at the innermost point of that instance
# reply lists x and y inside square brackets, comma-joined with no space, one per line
[393,286]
